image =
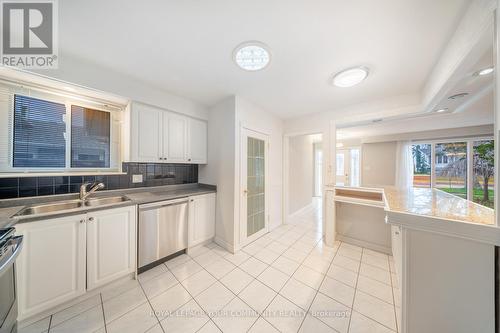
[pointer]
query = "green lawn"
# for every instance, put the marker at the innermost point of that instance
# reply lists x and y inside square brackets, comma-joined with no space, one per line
[478,195]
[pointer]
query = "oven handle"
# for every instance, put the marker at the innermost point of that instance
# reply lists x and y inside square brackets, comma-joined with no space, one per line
[17,244]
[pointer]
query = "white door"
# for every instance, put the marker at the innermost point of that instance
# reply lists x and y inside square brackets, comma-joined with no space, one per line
[201,219]
[197,138]
[174,138]
[254,214]
[146,133]
[342,167]
[111,249]
[51,266]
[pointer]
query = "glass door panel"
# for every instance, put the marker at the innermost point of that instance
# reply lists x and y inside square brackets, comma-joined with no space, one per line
[255,185]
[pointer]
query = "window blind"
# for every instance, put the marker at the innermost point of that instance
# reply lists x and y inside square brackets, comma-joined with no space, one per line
[90,138]
[38,133]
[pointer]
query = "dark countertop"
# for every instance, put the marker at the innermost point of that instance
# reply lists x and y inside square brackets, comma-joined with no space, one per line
[137,196]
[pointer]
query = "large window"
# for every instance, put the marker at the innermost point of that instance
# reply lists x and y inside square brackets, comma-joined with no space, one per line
[54,135]
[451,168]
[38,133]
[483,173]
[421,165]
[90,136]
[464,168]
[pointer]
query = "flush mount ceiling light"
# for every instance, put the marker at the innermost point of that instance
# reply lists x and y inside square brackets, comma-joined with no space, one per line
[252,56]
[457,96]
[484,71]
[350,77]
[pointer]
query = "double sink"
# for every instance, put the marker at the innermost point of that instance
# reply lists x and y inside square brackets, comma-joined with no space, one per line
[70,204]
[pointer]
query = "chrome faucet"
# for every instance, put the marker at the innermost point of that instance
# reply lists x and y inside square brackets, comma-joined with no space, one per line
[83,189]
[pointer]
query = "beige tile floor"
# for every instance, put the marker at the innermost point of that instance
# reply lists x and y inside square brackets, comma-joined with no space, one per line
[286,281]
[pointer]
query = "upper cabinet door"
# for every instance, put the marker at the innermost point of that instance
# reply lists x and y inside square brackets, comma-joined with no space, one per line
[197,137]
[146,133]
[175,138]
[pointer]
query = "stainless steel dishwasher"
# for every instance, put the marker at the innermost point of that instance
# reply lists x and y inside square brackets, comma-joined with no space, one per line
[162,231]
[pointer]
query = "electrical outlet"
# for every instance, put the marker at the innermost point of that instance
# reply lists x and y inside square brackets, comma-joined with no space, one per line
[136,178]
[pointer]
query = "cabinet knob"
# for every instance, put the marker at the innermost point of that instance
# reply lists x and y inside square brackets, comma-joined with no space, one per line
[82,220]
[189,159]
[91,219]
[396,232]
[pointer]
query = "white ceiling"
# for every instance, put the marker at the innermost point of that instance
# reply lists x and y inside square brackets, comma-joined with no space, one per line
[185,46]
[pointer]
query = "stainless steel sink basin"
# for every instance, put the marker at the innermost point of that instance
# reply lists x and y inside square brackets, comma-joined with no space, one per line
[105,201]
[69,204]
[50,208]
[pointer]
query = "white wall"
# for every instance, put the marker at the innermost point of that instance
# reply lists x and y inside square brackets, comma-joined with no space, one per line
[378,163]
[221,169]
[300,173]
[77,71]
[253,117]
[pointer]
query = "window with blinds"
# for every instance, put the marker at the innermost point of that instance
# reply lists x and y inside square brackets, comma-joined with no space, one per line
[90,138]
[39,130]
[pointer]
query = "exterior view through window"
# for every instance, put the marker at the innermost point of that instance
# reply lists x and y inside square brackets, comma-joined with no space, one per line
[450,172]
[421,165]
[40,139]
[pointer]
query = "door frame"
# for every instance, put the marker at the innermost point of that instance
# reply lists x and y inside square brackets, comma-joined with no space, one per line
[244,133]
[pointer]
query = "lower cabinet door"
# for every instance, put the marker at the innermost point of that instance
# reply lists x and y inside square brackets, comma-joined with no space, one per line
[201,219]
[50,269]
[111,245]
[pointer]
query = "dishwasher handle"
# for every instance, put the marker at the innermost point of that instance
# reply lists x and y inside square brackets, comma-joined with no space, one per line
[156,205]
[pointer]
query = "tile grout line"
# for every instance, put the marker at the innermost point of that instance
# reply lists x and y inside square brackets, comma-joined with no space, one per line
[103,314]
[290,277]
[150,305]
[317,291]
[195,300]
[393,299]
[356,288]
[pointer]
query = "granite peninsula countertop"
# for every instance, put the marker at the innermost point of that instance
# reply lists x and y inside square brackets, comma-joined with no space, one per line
[426,209]
[137,196]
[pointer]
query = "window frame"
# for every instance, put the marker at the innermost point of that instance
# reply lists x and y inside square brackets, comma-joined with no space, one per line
[115,163]
[470,156]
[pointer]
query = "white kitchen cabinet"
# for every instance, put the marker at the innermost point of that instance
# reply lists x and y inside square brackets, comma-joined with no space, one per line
[146,134]
[201,225]
[197,146]
[175,138]
[111,245]
[162,136]
[64,257]
[51,266]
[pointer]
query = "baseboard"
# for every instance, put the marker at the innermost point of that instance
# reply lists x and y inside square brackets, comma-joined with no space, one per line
[224,244]
[300,211]
[362,243]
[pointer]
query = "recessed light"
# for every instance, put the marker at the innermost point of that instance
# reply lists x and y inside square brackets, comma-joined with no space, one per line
[441,110]
[457,96]
[70,89]
[379,120]
[252,56]
[484,71]
[350,77]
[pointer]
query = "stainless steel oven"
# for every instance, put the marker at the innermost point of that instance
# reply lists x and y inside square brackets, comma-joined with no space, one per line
[10,246]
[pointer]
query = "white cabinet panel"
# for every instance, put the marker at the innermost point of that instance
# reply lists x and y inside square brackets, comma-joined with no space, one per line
[146,133]
[51,266]
[158,135]
[111,245]
[201,219]
[197,137]
[175,138]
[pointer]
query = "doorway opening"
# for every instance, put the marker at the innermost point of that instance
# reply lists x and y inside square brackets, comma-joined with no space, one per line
[348,162]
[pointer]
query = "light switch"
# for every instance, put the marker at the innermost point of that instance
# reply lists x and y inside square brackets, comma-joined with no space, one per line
[136,178]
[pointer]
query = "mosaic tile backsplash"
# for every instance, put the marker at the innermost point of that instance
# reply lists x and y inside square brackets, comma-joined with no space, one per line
[153,174]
